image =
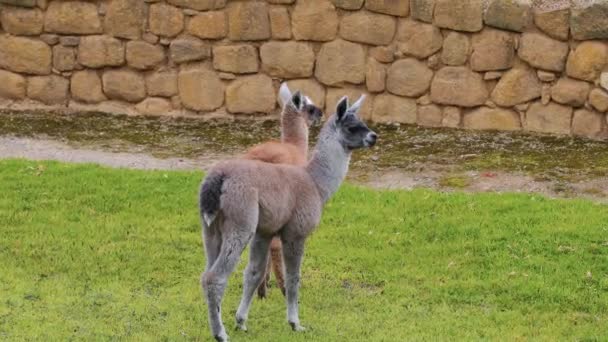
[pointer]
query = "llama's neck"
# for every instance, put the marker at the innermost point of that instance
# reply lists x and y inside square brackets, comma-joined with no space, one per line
[329,163]
[294,129]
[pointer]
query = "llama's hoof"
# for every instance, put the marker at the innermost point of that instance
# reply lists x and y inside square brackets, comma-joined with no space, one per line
[240,324]
[296,327]
[223,337]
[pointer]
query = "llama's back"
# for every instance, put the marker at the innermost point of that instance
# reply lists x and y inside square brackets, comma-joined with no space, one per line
[276,152]
[238,185]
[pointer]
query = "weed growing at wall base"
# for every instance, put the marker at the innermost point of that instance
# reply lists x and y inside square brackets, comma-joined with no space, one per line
[93,253]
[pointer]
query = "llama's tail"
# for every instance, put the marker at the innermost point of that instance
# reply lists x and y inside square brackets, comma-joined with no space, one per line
[209,197]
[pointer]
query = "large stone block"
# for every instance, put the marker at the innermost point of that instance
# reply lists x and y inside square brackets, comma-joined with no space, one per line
[86,86]
[311,88]
[367,27]
[348,4]
[100,51]
[408,77]
[459,15]
[554,23]
[550,118]
[142,55]
[154,106]
[50,90]
[492,50]
[64,58]
[69,40]
[314,20]
[399,8]
[570,92]
[24,55]
[188,49]
[165,20]
[375,76]
[200,89]
[126,85]
[456,49]
[340,61]
[125,18]
[589,20]
[72,17]
[384,54]
[518,85]
[22,21]
[394,109]
[418,39]
[251,94]
[248,21]
[588,60]
[12,85]
[458,86]
[598,99]
[452,117]
[199,5]
[587,123]
[485,118]
[280,23]
[208,25]
[509,15]
[335,94]
[543,52]
[162,83]
[429,115]
[422,10]
[49,38]
[239,59]
[287,59]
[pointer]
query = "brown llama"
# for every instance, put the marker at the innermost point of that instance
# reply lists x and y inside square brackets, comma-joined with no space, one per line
[293,150]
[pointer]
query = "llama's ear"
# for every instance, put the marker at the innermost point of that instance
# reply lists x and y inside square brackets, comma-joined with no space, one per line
[308,101]
[342,107]
[357,105]
[297,100]
[284,94]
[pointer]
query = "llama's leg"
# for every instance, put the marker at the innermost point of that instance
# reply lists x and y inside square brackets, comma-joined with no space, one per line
[276,259]
[213,242]
[263,288]
[293,251]
[215,279]
[252,277]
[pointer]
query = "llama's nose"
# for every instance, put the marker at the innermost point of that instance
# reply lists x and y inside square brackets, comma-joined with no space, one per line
[371,138]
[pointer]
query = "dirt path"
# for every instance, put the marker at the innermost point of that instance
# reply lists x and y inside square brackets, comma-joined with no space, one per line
[427,177]
[406,157]
[44,149]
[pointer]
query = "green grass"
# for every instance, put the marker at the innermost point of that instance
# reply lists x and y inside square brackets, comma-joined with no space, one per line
[91,253]
[454,181]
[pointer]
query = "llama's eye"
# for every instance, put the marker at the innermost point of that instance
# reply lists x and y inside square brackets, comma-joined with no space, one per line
[353,130]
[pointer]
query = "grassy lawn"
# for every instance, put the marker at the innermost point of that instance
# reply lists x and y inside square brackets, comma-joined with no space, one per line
[91,253]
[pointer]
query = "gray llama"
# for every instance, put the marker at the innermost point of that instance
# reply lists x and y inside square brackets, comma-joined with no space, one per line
[241,200]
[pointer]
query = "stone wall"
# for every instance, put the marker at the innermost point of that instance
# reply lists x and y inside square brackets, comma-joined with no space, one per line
[538,65]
